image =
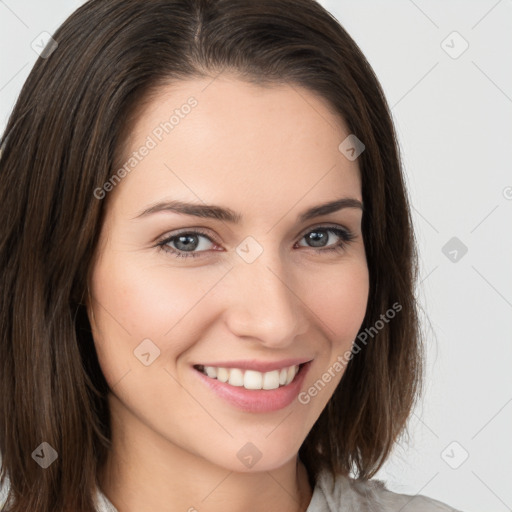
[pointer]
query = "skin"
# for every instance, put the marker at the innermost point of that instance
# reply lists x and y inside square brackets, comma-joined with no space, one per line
[268,153]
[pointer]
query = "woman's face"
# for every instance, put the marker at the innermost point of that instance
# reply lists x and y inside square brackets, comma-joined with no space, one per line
[248,290]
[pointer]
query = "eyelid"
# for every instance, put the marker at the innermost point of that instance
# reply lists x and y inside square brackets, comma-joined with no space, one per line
[324,225]
[206,232]
[162,241]
[345,233]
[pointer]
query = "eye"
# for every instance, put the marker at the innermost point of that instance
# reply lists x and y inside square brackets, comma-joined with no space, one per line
[189,244]
[185,243]
[320,237]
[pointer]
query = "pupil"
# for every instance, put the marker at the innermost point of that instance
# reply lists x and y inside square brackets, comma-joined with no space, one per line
[316,236]
[187,242]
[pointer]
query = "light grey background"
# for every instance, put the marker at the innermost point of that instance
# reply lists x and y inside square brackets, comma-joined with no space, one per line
[453,117]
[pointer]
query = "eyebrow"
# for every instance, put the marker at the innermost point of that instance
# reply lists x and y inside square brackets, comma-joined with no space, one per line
[210,211]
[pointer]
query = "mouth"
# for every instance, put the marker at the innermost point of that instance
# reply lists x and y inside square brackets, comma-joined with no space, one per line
[252,379]
[243,386]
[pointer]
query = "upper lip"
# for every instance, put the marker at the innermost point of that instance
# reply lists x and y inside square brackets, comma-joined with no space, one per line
[259,366]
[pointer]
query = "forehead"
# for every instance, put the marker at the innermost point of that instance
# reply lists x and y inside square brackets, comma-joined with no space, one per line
[248,146]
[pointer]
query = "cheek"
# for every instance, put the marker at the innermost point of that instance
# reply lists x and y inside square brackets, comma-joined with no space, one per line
[340,306]
[342,301]
[133,301]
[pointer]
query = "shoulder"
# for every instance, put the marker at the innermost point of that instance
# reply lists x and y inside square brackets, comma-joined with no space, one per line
[4,491]
[344,494]
[101,502]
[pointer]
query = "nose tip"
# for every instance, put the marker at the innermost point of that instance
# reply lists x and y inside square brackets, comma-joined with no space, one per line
[265,307]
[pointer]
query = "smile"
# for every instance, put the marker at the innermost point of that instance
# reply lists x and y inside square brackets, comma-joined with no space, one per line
[254,386]
[251,379]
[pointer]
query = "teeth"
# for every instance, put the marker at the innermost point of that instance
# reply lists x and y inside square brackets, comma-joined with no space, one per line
[222,374]
[251,379]
[271,380]
[291,374]
[211,372]
[236,377]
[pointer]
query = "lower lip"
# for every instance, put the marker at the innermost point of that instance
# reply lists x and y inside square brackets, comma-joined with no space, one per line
[257,400]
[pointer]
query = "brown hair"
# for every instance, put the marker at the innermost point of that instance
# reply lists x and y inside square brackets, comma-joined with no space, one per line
[60,145]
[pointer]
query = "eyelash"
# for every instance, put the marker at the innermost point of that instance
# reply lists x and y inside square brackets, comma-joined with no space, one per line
[345,235]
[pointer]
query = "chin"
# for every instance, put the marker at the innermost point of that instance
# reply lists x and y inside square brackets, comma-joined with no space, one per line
[257,455]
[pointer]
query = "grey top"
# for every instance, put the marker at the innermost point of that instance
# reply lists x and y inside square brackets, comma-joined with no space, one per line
[342,495]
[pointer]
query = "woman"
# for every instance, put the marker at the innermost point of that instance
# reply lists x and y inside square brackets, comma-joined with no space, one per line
[208,266]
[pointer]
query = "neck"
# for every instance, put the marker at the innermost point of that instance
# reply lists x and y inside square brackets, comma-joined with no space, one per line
[145,472]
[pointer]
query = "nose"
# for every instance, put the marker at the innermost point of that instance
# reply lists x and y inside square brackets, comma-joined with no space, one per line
[265,303]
